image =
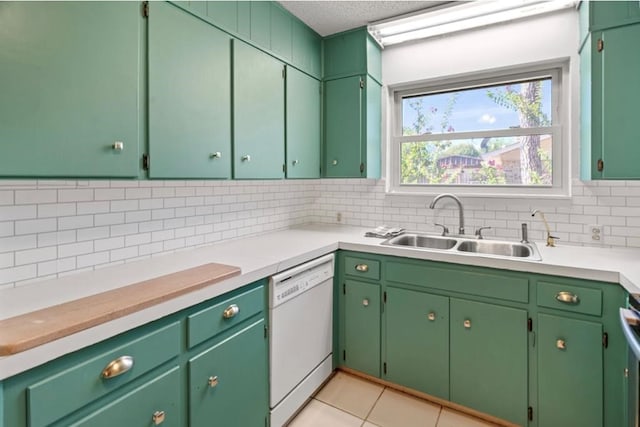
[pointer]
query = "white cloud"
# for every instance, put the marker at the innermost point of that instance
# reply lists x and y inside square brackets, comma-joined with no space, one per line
[487,118]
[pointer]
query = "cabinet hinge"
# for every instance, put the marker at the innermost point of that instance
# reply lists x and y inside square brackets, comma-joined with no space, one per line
[145,161]
[384,368]
[605,340]
[600,165]
[384,297]
[530,413]
[361,167]
[265,331]
[529,324]
[361,84]
[344,355]
[284,72]
[600,45]
[284,168]
[145,9]
[344,289]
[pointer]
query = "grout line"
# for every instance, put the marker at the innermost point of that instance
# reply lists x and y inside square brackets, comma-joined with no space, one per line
[374,404]
[439,415]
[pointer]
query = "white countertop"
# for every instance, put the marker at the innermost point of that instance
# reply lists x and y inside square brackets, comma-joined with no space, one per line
[262,256]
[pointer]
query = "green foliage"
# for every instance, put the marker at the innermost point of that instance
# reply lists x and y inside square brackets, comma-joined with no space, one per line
[527,103]
[465,149]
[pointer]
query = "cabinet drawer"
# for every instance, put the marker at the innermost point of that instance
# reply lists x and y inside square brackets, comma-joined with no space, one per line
[71,389]
[223,315]
[157,402]
[362,267]
[473,282]
[570,298]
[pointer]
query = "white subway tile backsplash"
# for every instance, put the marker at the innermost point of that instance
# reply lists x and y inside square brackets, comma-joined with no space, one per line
[31,226]
[124,229]
[92,233]
[18,243]
[109,194]
[92,259]
[56,238]
[75,195]
[108,244]
[6,259]
[109,219]
[6,197]
[34,256]
[75,222]
[56,210]
[16,212]
[29,197]
[17,274]
[73,249]
[92,207]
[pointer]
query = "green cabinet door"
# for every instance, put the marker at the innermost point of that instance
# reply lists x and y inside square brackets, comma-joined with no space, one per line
[71,102]
[156,402]
[228,382]
[303,125]
[361,327]
[189,96]
[618,65]
[343,127]
[570,373]
[258,114]
[488,365]
[417,341]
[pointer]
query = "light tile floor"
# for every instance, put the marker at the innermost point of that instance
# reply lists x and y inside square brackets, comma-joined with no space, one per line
[349,401]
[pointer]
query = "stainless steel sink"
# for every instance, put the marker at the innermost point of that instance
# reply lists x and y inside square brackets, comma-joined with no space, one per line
[469,246]
[422,241]
[510,249]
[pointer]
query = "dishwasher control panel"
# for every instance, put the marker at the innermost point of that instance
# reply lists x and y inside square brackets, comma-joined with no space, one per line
[293,282]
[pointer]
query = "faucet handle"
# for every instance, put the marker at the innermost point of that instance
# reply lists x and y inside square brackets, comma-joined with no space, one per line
[479,232]
[445,230]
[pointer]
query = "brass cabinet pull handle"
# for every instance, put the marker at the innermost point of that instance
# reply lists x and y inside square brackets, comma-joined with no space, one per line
[431,316]
[230,311]
[567,297]
[117,367]
[158,417]
[561,344]
[213,381]
[467,323]
[363,268]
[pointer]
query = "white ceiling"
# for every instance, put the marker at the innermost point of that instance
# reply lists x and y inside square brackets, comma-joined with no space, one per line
[330,17]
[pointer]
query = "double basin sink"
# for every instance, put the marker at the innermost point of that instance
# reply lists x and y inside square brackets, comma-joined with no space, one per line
[460,244]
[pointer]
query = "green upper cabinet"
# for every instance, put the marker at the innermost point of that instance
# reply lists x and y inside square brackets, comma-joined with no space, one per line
[352,128]
[189,96]
[351,53]
[352,77]
[609,61]
[258,114]
[71,100]
[281,31]
[303,125]
[306,48]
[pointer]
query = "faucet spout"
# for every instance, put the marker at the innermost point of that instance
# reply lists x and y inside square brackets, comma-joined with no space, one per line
[550,239]
[458,202]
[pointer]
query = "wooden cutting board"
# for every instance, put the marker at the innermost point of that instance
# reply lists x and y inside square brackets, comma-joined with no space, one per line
[39,327]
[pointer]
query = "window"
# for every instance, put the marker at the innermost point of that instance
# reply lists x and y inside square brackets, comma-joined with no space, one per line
[498,135]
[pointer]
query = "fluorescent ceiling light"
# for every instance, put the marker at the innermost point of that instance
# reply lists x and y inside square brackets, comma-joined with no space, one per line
[463,16]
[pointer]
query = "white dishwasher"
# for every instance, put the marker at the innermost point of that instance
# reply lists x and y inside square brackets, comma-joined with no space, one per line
[301,335]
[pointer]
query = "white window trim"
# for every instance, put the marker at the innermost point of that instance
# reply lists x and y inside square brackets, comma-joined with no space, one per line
[560,131]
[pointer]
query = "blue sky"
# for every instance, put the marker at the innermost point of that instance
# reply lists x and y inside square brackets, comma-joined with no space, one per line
[473,110]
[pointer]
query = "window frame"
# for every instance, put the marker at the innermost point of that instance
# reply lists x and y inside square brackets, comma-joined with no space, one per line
[559,131]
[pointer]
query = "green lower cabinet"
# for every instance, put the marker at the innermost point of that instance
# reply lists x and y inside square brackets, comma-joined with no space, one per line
[417,343]
[228,383]
[156,402]
[570,372]
[361,327]
[489,365]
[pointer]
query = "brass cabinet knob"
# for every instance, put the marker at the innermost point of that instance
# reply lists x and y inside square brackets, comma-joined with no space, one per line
[561,344]
[363,268]
[467,324]
[567,297]
[215,155]
[365,302]
[334,162]
[117,367]
[295,162]
[118,146]
[246,158]
[158,417]
[213,381]
[230,311]
[431,316]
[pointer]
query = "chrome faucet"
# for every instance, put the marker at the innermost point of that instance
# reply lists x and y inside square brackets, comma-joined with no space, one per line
[460,209]
[550,239]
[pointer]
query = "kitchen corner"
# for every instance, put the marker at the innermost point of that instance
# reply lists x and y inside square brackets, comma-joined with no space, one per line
[265,255]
